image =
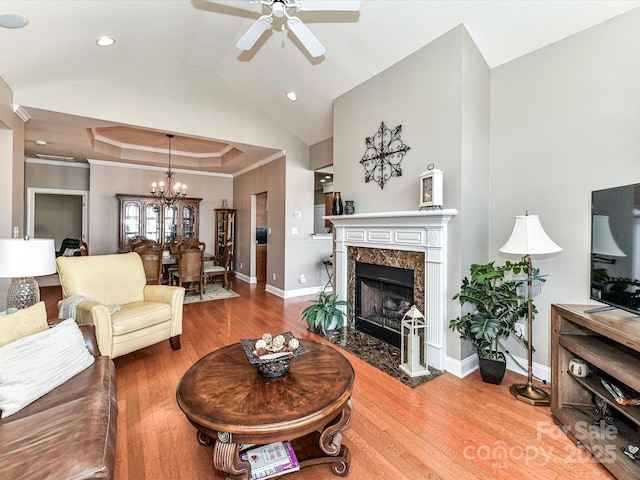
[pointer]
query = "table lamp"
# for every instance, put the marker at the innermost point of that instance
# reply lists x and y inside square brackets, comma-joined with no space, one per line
[21,260]
[529,238]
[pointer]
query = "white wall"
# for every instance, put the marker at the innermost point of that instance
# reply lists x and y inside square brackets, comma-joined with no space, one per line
[565,120]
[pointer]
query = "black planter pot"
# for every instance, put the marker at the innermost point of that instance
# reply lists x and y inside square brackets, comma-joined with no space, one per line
[492,371]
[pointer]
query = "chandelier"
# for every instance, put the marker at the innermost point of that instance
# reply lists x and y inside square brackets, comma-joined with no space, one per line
[172,193]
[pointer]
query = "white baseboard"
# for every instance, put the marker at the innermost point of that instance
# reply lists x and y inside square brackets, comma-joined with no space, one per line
[299,292]
[244,278]
[462,368]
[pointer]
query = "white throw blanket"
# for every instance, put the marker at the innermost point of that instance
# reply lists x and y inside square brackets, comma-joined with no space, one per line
[69,305]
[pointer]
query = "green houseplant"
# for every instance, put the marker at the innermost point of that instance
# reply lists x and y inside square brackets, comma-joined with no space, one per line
[496,306]
[324,314]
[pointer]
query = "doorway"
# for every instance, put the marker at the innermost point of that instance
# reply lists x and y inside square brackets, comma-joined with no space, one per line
[261,237]
[57,214]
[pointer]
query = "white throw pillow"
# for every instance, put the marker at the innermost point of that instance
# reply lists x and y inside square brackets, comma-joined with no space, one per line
[36,364]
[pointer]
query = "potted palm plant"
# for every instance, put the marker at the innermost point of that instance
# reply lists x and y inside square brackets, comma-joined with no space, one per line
[496,306]
[324,314]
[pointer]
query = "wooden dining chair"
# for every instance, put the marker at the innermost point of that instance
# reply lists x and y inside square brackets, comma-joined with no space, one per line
[190,264]
[219,267]
[148,245]
[152,262]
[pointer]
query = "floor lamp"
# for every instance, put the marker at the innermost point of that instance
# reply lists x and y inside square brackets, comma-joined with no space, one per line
[21,260]
[529,238]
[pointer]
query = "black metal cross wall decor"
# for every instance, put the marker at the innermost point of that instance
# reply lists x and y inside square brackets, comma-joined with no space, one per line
[385,151]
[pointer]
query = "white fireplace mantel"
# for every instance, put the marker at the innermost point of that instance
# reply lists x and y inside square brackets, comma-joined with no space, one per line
[418,231]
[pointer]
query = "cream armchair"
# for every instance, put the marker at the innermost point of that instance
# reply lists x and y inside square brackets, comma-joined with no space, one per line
[142,314]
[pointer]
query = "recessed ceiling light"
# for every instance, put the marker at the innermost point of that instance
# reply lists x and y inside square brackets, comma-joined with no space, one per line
[12,20]
[41,142]
[291,95]
[327,176]
[322,180]
[105,41]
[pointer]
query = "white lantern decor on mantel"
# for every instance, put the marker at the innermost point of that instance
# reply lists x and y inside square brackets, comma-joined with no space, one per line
[413,344]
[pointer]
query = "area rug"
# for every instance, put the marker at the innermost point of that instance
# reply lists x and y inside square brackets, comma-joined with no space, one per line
[379,354]
[213,291]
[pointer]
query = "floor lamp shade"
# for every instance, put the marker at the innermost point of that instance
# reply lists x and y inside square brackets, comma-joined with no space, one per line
[21,260]
[529,238]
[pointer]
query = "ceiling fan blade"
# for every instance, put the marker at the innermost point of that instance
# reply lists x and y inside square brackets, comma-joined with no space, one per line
[256,30]
[308,39]
[9,20]
[329,5]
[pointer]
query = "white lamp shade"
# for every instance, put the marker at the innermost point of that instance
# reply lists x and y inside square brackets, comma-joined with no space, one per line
[529,238]
[603,241]
[27,258]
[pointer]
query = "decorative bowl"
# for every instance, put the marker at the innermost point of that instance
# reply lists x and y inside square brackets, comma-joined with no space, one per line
[271,367]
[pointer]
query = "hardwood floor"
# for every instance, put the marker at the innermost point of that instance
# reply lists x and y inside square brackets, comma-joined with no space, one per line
[448,428]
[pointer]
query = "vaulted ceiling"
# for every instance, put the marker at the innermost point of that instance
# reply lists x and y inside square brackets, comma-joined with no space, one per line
[58,45]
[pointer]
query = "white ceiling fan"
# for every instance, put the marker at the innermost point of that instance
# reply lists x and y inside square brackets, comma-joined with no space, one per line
[284,8]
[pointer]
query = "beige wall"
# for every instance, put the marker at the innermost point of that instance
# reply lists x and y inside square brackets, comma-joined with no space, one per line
[56,176]
[269,179]
[107,180]
[321,154]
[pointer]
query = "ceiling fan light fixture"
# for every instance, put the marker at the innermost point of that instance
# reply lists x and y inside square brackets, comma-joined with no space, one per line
[291,95]
[278,9]
[105,41]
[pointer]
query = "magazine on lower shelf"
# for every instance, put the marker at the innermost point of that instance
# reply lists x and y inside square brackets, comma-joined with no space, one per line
[271,460]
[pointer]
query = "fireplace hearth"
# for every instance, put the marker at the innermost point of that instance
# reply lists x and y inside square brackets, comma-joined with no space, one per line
[383,295]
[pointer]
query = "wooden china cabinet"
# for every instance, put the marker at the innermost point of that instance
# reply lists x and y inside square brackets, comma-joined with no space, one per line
[225,231]
[147,216]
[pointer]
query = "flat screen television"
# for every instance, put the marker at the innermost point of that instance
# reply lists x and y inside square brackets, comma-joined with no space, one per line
[615,247]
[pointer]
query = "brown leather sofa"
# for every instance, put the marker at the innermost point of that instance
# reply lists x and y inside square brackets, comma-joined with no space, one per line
[68,433]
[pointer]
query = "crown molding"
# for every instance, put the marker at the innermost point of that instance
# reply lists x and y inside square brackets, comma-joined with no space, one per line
[157,169]
[262,162]
[21,113]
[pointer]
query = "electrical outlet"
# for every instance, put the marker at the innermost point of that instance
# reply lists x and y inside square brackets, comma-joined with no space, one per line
[302,279]
[520,328]
[240,265]
[274,276]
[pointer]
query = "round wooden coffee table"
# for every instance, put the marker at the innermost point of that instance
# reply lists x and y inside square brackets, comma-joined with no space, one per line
[230,404]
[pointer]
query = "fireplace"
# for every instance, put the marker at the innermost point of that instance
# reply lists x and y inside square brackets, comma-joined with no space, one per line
[383,294]
[415,240]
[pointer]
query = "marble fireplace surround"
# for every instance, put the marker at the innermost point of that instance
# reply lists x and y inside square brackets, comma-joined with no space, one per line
[395,235]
